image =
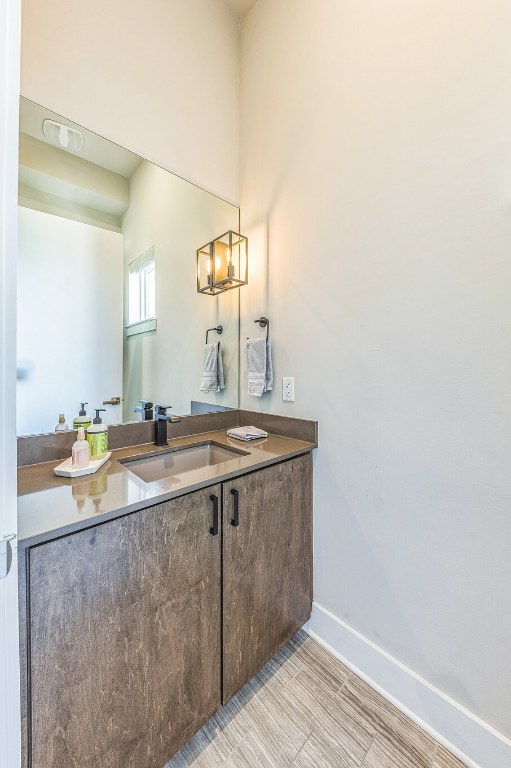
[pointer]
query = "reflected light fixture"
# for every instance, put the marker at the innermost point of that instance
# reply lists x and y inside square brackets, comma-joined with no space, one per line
[222,264]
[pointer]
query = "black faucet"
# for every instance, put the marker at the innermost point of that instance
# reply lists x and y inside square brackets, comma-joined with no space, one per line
[160,420]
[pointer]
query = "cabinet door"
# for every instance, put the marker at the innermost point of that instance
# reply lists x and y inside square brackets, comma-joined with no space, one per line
[267,562]
[125,633]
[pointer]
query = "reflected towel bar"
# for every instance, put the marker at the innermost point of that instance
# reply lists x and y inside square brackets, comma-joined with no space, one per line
[217,328]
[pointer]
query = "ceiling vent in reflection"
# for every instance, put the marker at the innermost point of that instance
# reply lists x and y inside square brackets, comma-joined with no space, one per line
[62,135]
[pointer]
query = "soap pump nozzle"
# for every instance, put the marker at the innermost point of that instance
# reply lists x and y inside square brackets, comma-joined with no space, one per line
[82,409]
[97,418]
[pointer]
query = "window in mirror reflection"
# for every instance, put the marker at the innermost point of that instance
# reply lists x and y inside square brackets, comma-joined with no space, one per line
[142,287]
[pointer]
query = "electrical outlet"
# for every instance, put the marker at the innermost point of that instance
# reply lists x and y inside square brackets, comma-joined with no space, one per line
[288,389]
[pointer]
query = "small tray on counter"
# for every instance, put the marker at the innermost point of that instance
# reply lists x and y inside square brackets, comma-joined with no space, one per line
[66,468]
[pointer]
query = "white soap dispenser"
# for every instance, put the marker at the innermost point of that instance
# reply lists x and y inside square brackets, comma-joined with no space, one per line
[80,456]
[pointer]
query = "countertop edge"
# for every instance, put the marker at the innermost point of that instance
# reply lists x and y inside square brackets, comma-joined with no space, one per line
[53,533]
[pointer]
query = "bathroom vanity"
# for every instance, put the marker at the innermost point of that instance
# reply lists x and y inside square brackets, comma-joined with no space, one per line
[148,605]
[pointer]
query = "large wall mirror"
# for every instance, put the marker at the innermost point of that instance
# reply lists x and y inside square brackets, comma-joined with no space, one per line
[107,301]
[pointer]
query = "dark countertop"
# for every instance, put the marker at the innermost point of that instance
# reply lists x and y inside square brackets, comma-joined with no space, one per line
[51,506]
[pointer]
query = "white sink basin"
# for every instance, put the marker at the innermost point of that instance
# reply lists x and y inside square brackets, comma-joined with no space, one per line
[176,461]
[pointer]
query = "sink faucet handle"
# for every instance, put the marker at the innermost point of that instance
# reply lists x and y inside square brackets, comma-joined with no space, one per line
[161,410]
[145,409]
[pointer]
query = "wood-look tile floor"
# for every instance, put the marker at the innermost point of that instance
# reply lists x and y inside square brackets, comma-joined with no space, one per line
[307,710]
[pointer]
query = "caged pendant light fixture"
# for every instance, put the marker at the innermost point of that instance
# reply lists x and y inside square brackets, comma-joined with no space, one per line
[222,264]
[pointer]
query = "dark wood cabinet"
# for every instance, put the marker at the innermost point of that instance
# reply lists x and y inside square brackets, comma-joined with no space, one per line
[134,631]
[125,628]
[267,565]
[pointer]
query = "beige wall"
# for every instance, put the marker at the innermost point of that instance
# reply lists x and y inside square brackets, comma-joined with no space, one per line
[376,194]
[160,78]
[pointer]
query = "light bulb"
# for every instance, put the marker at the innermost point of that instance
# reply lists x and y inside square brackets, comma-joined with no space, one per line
[230,265]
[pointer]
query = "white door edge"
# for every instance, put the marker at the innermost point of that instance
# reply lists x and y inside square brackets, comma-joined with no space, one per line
[10,24]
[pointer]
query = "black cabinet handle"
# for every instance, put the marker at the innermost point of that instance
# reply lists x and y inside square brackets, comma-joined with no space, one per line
[214,529]
[236,515]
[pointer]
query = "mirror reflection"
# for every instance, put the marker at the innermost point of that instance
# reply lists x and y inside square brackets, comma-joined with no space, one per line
[108,311]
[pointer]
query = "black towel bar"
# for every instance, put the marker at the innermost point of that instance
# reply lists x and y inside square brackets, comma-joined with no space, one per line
[264,323]
[217,328]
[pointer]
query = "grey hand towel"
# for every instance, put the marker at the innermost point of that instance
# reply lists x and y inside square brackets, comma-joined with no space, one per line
[259,366]
[269,368]
[212,369]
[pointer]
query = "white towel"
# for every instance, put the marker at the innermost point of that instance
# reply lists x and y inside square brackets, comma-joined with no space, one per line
[259,366]
[212,369]
[269,367]
[247,433]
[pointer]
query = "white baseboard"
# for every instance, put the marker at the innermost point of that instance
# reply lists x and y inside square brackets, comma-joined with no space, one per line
[465,735]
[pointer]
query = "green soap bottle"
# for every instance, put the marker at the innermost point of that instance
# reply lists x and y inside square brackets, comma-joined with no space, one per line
[97,436]
[82,420]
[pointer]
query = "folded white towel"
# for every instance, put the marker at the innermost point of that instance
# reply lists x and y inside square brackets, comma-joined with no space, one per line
[259,366]
[247,433]
[212,369]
